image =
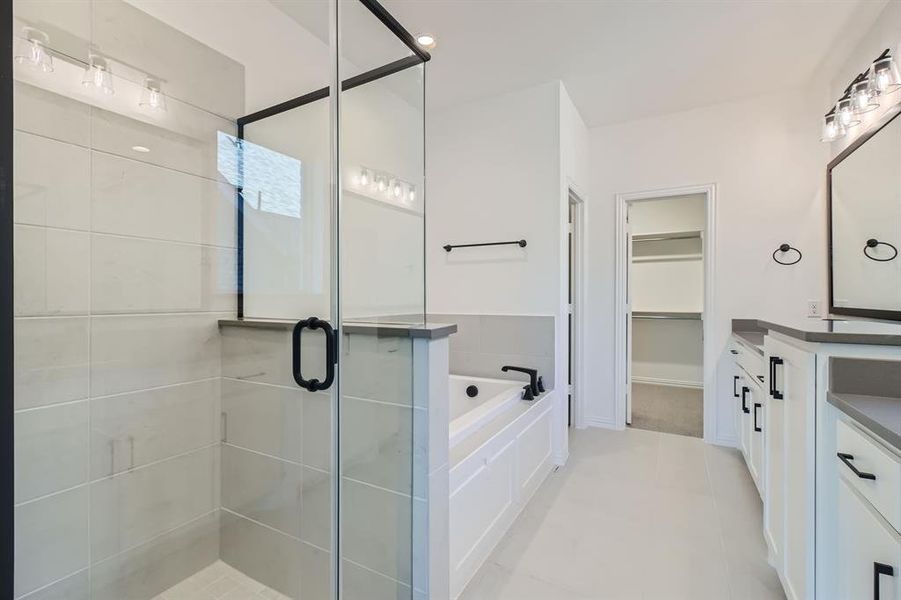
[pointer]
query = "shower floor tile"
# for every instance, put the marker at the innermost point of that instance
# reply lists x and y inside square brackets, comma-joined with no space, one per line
[220,581]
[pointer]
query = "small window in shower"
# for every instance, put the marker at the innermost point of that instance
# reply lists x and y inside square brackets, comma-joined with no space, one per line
[272,182]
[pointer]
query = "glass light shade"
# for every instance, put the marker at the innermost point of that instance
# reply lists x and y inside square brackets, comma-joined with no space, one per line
[382,183]
[885,77]
[845,112]
[365,178]
[32,50]
[862,99]
[397,188]
[151,97]
[97,75]
[832,129]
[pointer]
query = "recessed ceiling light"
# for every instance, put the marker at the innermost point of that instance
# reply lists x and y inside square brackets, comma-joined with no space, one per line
[426,40]
[140,148]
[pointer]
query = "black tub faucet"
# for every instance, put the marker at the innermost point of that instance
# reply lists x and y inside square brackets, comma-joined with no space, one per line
[532,373]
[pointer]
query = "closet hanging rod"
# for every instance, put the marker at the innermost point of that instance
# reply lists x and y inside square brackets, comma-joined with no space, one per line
[660,237]
[673,316]
[520,243]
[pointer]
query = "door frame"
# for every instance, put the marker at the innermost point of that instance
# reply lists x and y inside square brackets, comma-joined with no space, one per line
[622,333]
[575,277]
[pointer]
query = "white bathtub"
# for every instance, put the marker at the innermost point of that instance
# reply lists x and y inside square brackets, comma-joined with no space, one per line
[469,414]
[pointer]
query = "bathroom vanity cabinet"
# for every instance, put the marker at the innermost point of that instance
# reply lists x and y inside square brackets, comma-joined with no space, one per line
[825,536]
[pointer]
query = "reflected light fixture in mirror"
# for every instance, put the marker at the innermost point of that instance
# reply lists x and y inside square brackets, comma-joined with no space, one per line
[885,77]
[845,112]
[151,97]
[832,128]
[97,75]
[862,98]
[31,50]
[426,40]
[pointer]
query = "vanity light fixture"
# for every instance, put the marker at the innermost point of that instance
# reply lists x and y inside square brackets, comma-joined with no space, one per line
[426,40]
[845,112]
[832,128]
[152,98]
[97,75]
[885,77]
[142,149]
[862,98]
[31,50]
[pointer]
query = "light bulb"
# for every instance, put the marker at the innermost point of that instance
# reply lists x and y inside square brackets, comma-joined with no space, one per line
[97,75]
[383,185]
[845,112]
[862,99]
[31,50]
[364,177]
[832,129]
[152,98]
[411,195]
[886,78]
[426,40]
[398,189]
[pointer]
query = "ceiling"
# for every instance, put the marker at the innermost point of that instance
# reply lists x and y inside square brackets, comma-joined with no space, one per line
[628,60]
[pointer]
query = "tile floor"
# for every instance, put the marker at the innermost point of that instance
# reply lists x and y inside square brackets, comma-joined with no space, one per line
[220,581]
[636,515]
[668,409]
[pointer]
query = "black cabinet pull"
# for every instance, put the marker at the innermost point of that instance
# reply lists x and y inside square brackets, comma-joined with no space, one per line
[847,458]
[880,569]
[744,399]
[774,391]
[314,385]
[735,386]
[756,426]
[734,351]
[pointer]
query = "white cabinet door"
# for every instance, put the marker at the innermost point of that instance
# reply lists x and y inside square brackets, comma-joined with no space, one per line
[795,381]
[744,427]
[869,550]
[757,443]
[774,474]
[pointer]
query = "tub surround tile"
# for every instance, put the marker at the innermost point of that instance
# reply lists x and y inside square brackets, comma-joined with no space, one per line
[266,555]
[264,418]
[378,368]
[51,539]
[73,587]
[261,355]
[51,449]
[363,584]
[138,428]
[52,360]
[377,443]
[52,183]
[316,508]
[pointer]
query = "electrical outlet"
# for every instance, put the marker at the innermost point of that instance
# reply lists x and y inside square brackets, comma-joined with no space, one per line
[813,308]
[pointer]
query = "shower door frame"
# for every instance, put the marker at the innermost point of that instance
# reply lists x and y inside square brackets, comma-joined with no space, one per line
[7,375]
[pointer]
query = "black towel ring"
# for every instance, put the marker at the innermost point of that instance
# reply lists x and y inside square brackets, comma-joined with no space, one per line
[785,248]
[872,243]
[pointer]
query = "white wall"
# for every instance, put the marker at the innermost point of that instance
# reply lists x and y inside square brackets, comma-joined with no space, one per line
[767,163]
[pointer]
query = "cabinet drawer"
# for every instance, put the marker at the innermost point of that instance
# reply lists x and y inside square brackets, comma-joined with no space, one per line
[749,360]
[878,473]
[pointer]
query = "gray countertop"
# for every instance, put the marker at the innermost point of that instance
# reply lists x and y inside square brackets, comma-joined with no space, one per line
[830,331]
[426,330]
[879,414]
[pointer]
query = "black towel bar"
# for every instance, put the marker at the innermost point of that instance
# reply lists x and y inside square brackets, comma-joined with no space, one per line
[520,243]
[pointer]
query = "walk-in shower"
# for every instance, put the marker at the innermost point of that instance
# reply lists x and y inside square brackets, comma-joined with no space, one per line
[187,182]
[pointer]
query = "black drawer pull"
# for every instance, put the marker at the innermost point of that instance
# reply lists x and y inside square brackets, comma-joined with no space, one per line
[735,386]
[314,385]
[847,458]
[774,392]
[744,399]
[880,569]
[756,426]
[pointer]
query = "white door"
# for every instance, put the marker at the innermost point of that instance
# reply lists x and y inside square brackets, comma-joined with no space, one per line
[869,550]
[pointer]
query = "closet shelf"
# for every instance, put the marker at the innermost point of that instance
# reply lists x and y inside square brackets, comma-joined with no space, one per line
[667,235]
[666,257]
[675,316]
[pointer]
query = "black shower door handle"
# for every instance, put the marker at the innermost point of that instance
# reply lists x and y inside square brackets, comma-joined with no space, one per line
[744,399]
[314,385]
[775,393]
[880,569]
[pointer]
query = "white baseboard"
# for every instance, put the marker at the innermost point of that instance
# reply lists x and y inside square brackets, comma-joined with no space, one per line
[670,382]
[602,423]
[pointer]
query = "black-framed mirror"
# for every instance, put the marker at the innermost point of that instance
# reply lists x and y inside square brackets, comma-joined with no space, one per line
[864,223]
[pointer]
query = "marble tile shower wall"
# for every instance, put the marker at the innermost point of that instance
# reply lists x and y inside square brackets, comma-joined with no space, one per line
[124,263]
[485,343]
